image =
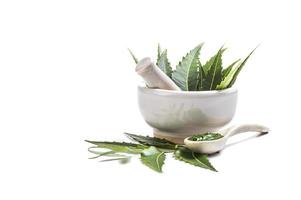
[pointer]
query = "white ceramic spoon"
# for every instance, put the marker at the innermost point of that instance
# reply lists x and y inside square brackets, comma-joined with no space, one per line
[213,146]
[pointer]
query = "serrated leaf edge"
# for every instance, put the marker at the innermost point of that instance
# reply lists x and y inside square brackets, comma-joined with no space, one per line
[178,67]
[214,64]
[209,167]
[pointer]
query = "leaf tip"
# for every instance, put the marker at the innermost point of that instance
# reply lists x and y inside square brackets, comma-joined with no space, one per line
[133,56]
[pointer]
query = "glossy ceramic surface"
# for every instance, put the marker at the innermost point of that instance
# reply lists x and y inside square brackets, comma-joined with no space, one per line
[175,115]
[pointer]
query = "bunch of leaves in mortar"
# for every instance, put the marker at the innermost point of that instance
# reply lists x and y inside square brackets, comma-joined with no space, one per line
[152,152]
[191,74]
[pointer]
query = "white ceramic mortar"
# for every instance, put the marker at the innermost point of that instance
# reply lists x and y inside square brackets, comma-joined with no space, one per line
[175,115]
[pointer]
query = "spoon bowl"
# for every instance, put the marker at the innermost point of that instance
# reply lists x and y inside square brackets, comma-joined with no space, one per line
[213,146]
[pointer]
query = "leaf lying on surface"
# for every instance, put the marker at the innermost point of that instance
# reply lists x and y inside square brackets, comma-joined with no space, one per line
[164,64]
[123,147]
[193,158]
[103,153]
[214,74]
[151,150]
[153,158]
[122,160]
[152,141]
[186,73]
[99,154]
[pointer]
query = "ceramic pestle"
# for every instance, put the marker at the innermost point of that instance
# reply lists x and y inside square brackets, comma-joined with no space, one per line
[154,76]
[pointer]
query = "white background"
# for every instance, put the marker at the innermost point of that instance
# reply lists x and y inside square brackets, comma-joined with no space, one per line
[66,76]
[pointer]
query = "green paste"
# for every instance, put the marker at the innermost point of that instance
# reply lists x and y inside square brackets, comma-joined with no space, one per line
[206,137]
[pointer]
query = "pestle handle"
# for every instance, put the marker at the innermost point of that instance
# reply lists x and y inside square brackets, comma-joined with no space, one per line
[154,76]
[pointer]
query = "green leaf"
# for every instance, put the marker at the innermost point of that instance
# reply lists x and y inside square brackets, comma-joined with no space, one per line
[122,160]
[209,63]
[193,158]
[153,158]
[123,147]
[158,53]
[152,141]
[162,61]
[98,153]
[230,79]
[101,153]
[201,77]
[239,68]
[214,75]
[121,157]
[186,73]
[164,64]
[227,80]
[227,70]
[133,56]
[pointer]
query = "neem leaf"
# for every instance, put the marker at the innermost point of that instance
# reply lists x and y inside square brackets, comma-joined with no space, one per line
[152,141]
[214,75]
[209,63]
[227,70]
[240,67]
[186,73]
[122,147]
[201,77]
[164,64]
[158,53]
[227,80]
[122,160]
[227,77]
[230,78]
[98,153]
[133,56]
[102,153]
[153,158]
[193,158]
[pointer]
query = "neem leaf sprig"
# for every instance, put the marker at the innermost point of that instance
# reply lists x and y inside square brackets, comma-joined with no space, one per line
[191,74]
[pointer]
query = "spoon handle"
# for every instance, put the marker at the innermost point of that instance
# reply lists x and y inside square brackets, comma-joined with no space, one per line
[246,128]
